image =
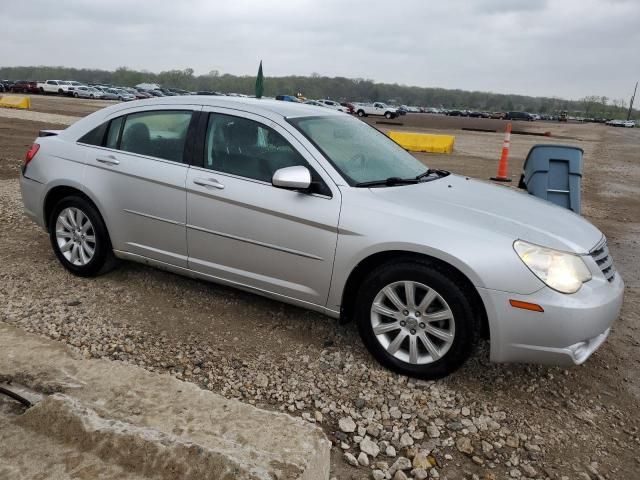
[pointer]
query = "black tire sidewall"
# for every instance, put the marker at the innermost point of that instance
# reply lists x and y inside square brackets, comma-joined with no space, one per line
[103,245]
[466,328]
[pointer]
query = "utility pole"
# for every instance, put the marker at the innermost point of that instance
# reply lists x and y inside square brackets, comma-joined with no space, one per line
[631,103]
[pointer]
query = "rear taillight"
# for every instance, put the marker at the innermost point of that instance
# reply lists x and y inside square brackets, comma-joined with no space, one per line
[31,153]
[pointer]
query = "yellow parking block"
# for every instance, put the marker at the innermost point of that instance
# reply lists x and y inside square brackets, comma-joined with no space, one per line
[15,102]
[423,142]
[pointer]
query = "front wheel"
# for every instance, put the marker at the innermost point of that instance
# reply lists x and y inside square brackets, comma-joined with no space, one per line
[75,94]
[388,116]
[79,237]
[415,319]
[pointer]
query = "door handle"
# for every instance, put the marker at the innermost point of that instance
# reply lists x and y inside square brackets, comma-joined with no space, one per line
[208,182]
[109,159]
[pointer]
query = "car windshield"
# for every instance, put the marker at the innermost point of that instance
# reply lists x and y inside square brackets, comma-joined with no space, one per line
[359,152]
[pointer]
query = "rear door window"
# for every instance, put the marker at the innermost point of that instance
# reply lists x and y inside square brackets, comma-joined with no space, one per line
[160,134]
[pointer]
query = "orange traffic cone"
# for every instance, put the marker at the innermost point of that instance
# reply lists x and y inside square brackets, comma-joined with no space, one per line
[503,166]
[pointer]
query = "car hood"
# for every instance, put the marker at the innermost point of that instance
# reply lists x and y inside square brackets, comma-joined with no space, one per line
[499,209]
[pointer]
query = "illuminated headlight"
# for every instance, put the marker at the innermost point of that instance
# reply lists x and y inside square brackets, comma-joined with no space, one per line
[562,271]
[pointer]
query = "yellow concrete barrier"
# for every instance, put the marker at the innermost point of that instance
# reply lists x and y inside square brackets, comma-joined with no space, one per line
[423,142]
[15,102]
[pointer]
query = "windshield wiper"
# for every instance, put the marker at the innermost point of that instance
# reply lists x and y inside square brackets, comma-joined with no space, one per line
[388,182]
[433,171]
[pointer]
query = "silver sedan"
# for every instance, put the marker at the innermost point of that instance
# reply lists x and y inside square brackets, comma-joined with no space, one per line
[320,210]
[84,91]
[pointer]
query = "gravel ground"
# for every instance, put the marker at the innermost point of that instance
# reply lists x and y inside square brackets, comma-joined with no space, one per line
[484,422]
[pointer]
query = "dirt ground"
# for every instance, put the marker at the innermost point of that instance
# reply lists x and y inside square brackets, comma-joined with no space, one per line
[584,420]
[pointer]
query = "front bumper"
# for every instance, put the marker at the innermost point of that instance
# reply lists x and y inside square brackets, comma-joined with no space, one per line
[569,330]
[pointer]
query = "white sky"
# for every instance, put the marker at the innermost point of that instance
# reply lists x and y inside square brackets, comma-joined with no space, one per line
[565,48]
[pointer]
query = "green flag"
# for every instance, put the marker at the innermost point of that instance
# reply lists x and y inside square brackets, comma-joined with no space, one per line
[259,82]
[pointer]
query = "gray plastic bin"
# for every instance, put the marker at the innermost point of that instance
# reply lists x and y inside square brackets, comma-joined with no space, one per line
[554,173]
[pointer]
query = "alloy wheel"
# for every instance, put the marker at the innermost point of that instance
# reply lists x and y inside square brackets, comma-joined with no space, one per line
[412,322]
[75,236]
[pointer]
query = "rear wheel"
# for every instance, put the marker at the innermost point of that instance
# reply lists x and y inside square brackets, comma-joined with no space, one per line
[79,237]
[388,115]
[75,94]
[415,319]
[361,113]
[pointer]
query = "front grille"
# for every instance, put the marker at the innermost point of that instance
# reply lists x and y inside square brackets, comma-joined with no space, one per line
[602,257]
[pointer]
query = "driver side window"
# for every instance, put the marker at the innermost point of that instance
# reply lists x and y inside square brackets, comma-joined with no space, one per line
[246,148]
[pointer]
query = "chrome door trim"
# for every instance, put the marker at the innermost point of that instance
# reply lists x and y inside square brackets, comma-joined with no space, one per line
[153,217]
[255,242]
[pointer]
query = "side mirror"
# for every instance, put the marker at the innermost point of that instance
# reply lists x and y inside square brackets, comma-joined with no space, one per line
[292,178]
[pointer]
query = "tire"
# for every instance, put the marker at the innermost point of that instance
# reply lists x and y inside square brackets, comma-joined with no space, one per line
[102,259]
[75,94]
[462,329]
[388,116]
[60,91]
[361,113]
[41,91]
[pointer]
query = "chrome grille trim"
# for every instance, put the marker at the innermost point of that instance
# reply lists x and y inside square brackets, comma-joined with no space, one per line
[602,257]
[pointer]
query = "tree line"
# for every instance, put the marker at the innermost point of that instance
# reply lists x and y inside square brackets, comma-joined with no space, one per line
[337,88]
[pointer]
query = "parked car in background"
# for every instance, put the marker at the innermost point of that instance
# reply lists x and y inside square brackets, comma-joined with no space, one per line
[117,94]
[315,103]
[497,115]
[179,91]
[209,92]
[622,123]
[84,91]
[156,93]
[24,86]
[72,85]
[457,113]
[334,105]
[525,116]
[60,87]
[478,114]
[287,98]
[349,106]
[378,108]
[320,210]
[140,95]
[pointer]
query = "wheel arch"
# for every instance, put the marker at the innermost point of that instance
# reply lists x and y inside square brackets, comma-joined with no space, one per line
[368,264]
[57,193]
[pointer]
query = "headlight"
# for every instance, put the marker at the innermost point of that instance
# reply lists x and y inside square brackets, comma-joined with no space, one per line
[564,272]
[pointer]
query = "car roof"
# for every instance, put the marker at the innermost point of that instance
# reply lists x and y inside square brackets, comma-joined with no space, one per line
[254,105]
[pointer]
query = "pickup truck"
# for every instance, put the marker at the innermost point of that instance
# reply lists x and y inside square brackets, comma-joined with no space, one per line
[54,86]
[378,108]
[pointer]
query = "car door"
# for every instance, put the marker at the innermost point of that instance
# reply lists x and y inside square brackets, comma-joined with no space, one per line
[137,171]
[245,231]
